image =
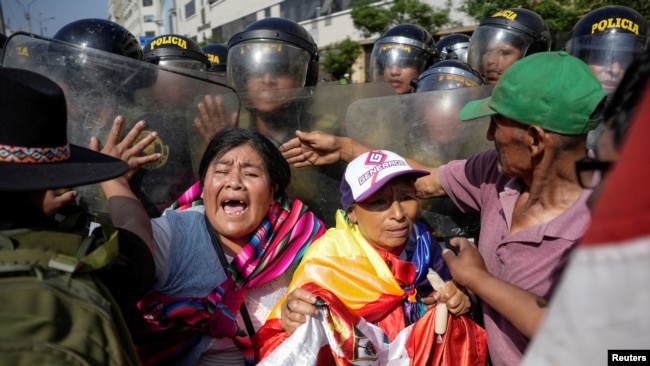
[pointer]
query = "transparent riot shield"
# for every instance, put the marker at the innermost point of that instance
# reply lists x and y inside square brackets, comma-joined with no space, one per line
[425,127]
[100,86]
[278,113]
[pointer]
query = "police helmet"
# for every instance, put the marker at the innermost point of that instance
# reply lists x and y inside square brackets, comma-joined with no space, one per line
[447,74]
[176,51]
[521,28]
[79,48]
[609,35]
[274,46]
[101,34]
[217,56]
[453,47]
[404,45]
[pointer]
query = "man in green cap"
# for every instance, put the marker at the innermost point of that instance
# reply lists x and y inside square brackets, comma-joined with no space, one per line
[533,209]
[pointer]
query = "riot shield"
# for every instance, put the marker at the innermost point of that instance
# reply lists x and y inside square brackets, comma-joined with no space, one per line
[99,86]
[425,127]
[278,113]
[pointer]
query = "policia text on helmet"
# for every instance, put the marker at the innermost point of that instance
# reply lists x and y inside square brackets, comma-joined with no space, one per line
[176,51]
[505,37]
[607,39]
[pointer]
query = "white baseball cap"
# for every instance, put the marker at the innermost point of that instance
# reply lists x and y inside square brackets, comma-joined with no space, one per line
[370,171]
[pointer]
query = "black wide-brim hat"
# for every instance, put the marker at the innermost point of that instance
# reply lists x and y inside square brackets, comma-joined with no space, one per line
[34,150]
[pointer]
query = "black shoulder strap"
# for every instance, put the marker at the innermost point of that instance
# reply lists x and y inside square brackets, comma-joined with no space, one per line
[224,264]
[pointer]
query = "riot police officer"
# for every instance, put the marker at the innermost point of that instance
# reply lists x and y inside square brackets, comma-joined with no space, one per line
[436,132]
[447,74]
[453,47]
[101,34]
[176,51]
[100,64]
[170,107]
[401,54]
[270,63]
[273,65]
[217,56]
[608,39]
[505,37]
[437,135]
[80,69]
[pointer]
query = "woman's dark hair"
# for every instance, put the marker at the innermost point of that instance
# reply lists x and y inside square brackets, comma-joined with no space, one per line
[225,140]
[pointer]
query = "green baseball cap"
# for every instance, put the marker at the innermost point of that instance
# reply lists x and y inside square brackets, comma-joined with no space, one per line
[553,90]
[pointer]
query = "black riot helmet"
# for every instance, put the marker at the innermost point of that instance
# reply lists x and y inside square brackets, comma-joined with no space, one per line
[523,29]
[403,45]
[217,56]
[447,74]
[453,47]
[101,34]
[176,51]
[609,37]
[272,46]
[79,48]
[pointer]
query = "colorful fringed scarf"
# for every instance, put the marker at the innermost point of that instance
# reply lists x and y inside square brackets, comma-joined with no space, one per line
[189,198]
[172,326]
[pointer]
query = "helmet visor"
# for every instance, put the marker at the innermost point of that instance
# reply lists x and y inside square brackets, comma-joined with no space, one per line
[445,78]
[607,49]
[283,66]
[182,63]
[499,46]
[403,56]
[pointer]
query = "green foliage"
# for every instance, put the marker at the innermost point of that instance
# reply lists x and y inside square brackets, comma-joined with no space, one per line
[339,58]
[560,15]
[371,19]
[212,40]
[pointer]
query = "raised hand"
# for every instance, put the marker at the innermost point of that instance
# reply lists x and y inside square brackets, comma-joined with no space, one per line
[212,117]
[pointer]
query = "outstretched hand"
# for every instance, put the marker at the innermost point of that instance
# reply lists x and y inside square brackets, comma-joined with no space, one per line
[130,148]
[212,117]
[311,148]
[468,267]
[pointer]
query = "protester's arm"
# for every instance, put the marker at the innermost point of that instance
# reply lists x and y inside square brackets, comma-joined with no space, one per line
[320,148]
[125,209]
[521,308]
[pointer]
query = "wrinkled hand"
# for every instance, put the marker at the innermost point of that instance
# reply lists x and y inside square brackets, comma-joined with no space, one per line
[295,309]
[129,148]
[212,117]
[53,202]
[468,267]
[456,298]
[311,148]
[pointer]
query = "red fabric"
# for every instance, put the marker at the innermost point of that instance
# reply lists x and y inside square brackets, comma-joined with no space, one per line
[622,211]
[389,316]
[268,338]
[464,342]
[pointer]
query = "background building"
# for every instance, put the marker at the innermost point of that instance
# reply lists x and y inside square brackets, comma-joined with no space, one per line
[328,21]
